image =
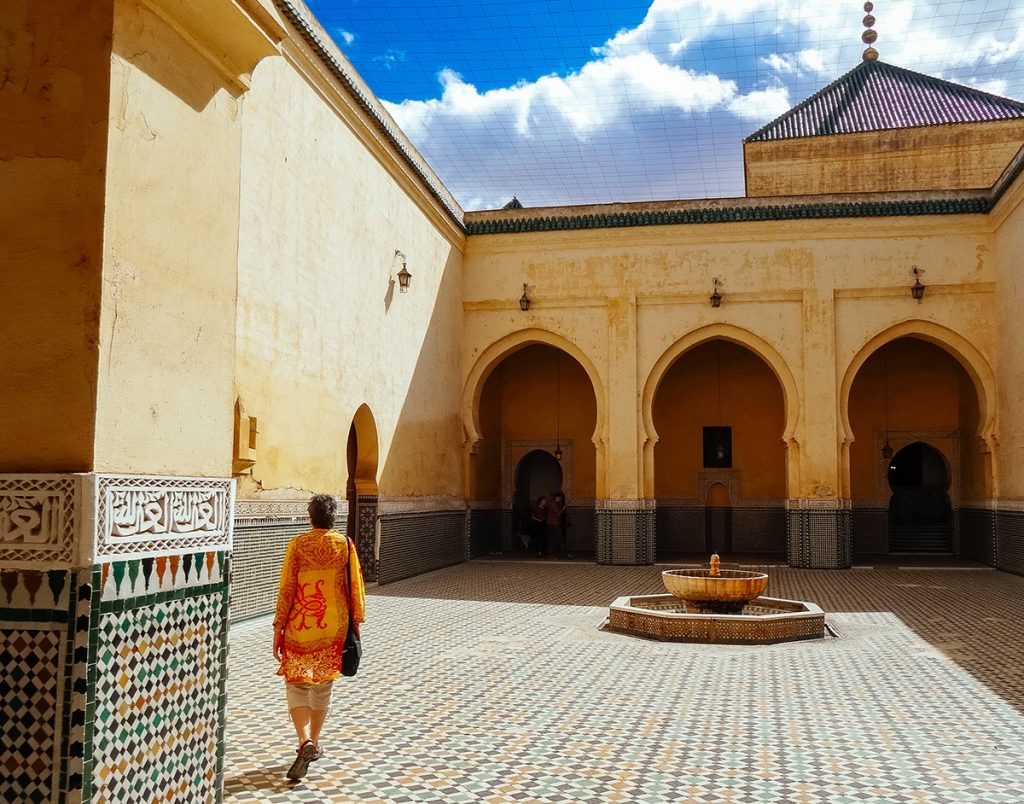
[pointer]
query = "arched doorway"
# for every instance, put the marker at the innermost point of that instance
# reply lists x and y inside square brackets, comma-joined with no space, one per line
[361,489]
[912,400]
[720,459]
[538,474]
[538,400]
[920,511]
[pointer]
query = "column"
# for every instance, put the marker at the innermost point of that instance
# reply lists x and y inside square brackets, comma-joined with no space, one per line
[113,635]
[625,521]
[818,532]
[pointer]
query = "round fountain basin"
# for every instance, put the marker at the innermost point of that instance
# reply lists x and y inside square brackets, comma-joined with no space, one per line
[730,589]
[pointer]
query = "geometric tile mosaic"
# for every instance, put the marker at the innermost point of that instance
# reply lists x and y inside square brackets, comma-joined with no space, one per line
[158,674]
[30,713]
[490,681]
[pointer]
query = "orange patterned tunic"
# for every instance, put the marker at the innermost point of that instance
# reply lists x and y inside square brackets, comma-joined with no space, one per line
[320,582]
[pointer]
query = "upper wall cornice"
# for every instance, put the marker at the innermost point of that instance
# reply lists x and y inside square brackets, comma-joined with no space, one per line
[747,210]
[230,36]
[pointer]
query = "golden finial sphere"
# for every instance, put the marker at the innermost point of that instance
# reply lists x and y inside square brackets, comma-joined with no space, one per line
[869,21]
[868,37]
[870,54]
[869,7]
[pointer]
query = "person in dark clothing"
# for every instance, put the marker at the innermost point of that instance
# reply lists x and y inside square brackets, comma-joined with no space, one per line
[538,526]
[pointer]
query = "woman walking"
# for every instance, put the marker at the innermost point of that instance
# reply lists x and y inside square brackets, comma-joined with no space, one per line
[321,591]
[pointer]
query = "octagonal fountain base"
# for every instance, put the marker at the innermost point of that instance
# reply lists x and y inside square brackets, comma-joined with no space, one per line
[762,621]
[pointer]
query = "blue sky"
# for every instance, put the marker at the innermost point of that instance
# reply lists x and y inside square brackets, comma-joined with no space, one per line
[591,101]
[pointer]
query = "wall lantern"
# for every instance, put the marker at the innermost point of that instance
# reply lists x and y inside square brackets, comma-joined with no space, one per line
[403,276]
[917,289]
[524,300]
[716,297]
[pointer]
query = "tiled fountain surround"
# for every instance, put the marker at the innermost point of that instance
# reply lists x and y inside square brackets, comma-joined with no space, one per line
[113,636]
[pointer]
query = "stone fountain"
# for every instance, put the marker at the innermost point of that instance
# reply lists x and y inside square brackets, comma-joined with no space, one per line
[716,606]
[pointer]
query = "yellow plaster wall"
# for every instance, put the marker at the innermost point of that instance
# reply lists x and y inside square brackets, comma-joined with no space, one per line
[720,384]
[1005,310]
[167,329]
[807,296]
[53,130]
[928,158]
[322,328]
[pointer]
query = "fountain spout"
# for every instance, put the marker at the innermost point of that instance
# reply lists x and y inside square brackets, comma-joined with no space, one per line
[716,564]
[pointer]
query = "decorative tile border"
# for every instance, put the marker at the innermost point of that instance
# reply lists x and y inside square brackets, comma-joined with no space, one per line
[413,505]
[125,579]
[37,519]
[34,589]
[273,509]
[148,516]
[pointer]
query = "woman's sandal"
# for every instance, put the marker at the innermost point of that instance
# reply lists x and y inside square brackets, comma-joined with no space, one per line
[305,754]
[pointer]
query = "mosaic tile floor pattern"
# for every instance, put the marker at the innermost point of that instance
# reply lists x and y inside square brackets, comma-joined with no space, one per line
[474,689]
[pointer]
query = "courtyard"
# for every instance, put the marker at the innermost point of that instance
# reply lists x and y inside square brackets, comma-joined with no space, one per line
[491,681]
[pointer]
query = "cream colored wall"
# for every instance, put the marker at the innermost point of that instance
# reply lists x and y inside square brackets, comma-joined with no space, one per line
[53,130]
[807,297]
[1005,311]
[167,326]
[929,158]
[322,329]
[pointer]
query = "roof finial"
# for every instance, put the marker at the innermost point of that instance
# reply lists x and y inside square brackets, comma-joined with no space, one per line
[870,35]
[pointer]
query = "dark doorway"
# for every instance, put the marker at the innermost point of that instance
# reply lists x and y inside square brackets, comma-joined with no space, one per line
[537,475]
[920,512]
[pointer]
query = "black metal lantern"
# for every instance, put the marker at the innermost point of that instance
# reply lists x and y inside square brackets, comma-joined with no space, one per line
[716,297]
[917,289]
[524,300]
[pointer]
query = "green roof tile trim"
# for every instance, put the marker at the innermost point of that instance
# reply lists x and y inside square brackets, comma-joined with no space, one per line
[739,214]
[313,39]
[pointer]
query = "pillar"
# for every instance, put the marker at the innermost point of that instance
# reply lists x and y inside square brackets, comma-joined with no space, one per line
[625,521]
[818,519]
[113,636]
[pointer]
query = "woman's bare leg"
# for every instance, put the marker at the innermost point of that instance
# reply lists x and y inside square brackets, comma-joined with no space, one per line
[301,717]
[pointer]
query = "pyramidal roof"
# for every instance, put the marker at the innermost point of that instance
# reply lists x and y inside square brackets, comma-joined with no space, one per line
[875,96]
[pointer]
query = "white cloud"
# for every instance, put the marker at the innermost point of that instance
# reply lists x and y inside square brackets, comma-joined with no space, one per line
[761,105]
[347,36]
[390,57]
[604,92]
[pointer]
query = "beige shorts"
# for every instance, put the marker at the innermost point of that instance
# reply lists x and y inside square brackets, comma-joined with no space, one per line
[314,696]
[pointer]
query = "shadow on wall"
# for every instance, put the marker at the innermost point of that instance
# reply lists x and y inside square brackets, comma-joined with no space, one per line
[424,457]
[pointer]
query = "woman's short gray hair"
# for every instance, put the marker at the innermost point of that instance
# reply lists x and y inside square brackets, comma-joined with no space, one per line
[322,510]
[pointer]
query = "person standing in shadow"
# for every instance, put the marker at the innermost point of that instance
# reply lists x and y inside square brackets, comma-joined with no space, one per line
[538,526]
[555,518]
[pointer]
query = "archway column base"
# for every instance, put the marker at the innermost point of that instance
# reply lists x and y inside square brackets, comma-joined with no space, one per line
[625,532]
[819,533]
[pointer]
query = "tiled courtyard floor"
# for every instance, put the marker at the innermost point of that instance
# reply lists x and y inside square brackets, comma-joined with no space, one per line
[490,681]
